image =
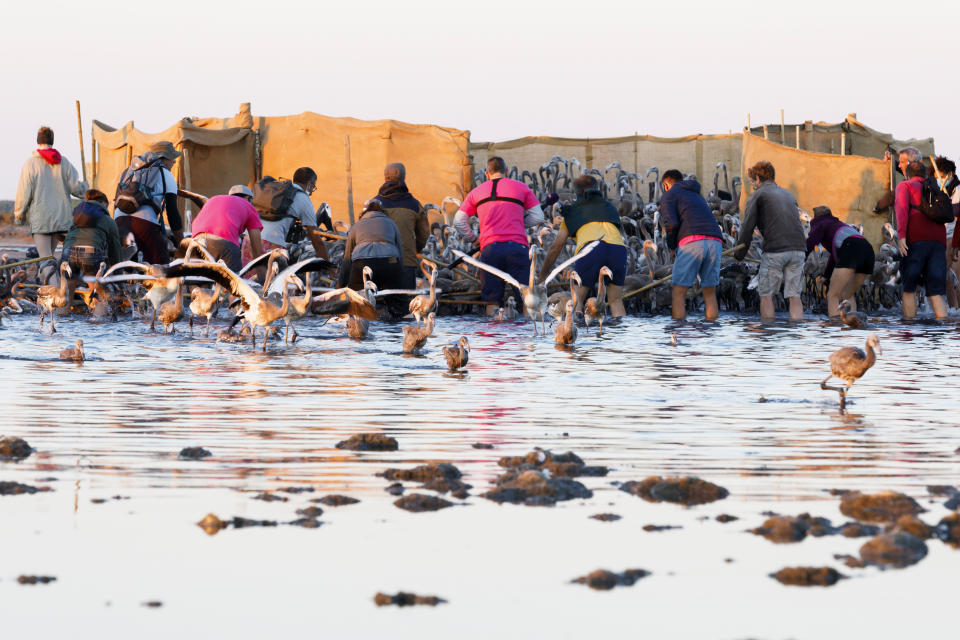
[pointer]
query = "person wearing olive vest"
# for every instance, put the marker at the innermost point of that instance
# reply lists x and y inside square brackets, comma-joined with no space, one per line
[592,217]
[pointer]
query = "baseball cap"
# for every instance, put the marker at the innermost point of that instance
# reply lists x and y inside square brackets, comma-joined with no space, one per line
[240,190]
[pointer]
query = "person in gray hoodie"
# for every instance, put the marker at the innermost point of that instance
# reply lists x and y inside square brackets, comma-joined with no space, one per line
[373,241]
[773,210]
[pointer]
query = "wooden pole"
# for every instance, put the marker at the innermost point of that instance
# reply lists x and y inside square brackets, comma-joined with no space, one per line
[765,136]
[748,123]
[346,145]
[83,159]
[843,143]
[22,263]
[783,135]
[798,137]
[185,169]
[670,277]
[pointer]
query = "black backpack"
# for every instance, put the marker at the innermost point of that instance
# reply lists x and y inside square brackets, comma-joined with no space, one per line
[136,182]
[934,203]
[272,199]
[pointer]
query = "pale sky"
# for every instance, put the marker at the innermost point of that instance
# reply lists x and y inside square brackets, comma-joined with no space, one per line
[500,70]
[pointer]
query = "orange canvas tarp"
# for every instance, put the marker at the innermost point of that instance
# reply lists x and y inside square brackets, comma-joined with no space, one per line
[849,185]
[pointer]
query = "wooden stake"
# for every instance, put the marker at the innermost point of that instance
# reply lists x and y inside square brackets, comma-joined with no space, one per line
[83,159]
[783,136]
[843,143]
[346,145]
[748,123]
[798,137]
[765,136]
[11,265]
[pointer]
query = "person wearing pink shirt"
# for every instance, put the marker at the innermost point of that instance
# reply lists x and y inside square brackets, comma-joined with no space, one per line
[221,222]
[505,209]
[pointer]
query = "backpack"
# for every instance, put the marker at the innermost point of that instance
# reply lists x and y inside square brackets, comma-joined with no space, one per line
[934,203]
[135,188]
[272,199]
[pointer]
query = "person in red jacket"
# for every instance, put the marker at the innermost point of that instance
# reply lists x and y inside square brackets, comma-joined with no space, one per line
[923,245]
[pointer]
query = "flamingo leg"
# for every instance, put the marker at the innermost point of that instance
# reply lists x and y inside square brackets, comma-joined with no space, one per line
[600,329]
[266,331]
[53,328]
[207,331]
[191,326]
[153,320]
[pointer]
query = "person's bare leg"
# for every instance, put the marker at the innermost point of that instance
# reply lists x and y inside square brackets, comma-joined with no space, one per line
[796,308]
[679,302]
[615,301]
[939,304]
[491,309]
[710,307]
[839,283]
[766,307]
[850,291]
[909,305]
[582,293]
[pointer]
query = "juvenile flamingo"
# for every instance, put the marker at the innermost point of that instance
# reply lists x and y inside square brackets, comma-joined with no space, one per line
[458,354]
[849,364]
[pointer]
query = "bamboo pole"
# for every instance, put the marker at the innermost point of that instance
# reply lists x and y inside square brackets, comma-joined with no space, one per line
[670,277]
[458,270]
[843,143]
[748,123]
[331,236]
[22,263]
[783,135]
[798,137]
[765,136]
[346,144]
[473,302]
[83,159]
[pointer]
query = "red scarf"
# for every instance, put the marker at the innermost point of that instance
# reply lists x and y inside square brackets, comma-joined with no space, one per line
[52,156]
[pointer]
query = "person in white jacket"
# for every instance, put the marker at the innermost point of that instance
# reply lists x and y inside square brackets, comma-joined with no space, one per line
[47,181]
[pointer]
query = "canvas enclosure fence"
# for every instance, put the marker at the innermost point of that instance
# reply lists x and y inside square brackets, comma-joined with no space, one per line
[213,159]
[221,152]
[849,185]
[698,154]
[849,137]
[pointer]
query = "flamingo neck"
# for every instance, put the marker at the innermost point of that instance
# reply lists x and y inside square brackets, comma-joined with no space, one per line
[871,355]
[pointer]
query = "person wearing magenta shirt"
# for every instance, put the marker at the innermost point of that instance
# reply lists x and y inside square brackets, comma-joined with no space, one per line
[923,245]
[221,222]
[506,209]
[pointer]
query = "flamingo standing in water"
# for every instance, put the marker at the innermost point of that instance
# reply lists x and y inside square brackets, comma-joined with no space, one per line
[849,364]
[457,355]
[853,319]
[50,297]
[596,308]
[565,333]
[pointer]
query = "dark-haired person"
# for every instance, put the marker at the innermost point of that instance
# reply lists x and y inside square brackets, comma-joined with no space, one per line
[399,205]
[223,220]
[851,257]
[693,233]
[93,237]
[592,217]
[144,223]
[274,234]
[373,241]
[773,210]
[946,174]
[506,208]
[922,244]
[47,180]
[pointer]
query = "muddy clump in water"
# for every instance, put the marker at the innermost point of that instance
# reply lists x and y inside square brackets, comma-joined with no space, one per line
[858,530]
[212,524]
[534,488]
[655,528]
[482,445]
[194,453]
[606,517]
[886,506]
[808,576]
[266,496]
[395,489]
[15,489]
[604,580]
[724,518]
[369,442]
[946,491]
[567,465]
[14,448]
[417,502]
[948,529]
[334,500]
[914,526]
[897,549]
[406,600]
[688,490]
[310,512]
[296,490]
[152,604]
[35,579]
[782,529]
[306,523]
[441,477]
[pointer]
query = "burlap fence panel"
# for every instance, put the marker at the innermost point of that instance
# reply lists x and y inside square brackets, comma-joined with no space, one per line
[852,135]
[435,157]
[215,159]
[849,185]
[698,154]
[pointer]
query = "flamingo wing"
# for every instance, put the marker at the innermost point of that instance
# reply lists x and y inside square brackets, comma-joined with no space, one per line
[310,264]
[348,301]
[218,272]
[566,263]
[506,277]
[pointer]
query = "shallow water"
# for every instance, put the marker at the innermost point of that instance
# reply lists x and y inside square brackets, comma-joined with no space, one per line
[737,403]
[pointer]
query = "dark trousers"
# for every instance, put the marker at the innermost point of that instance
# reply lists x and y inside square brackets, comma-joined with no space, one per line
[150,238]
[222,249]
[387,274]
[511,257]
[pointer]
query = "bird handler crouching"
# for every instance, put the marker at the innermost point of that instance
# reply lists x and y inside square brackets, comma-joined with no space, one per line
[592,217]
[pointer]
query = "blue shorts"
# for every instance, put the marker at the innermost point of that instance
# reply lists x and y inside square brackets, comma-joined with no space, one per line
[926,264]
[702,258]
[612,256]
[511,257]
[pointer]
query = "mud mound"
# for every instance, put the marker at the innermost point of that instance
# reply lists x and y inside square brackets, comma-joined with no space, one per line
[606,517]
[14,448]
[567,465]
[15,488]
[417,502]
[886,506]
[369,442]
[194,453]
[897,549]
[406,600]
[604,580]
[948,529]
[335,500]
[688,490]
[35,579]
[534,488]
[808,576]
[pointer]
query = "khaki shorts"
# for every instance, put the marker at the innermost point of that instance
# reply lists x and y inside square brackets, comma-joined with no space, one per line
[782,268]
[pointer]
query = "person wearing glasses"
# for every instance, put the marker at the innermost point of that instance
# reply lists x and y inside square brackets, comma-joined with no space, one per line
[274,234]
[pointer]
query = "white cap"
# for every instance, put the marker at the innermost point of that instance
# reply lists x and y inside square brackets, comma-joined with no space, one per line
[240,190]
